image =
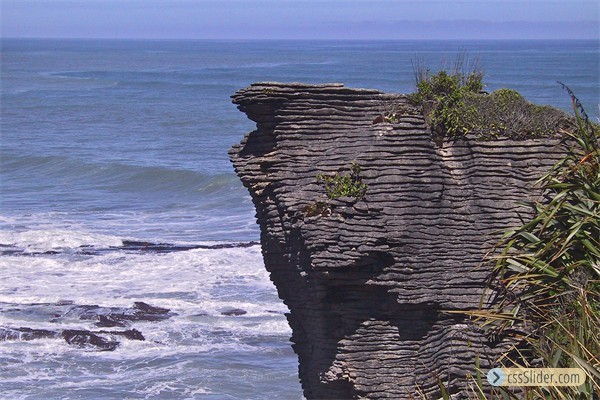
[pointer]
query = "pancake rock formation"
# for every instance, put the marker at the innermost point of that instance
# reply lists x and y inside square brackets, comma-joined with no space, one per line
[371,282]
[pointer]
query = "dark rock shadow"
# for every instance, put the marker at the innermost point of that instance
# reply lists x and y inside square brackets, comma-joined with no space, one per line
[348,304]
[350,313]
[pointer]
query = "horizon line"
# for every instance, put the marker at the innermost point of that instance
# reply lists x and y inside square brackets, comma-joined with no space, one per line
[290,39]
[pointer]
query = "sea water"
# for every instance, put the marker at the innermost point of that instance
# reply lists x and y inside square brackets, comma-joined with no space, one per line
[106,142]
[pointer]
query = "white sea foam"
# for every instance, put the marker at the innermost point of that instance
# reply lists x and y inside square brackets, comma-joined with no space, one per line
[189,355]
[41,240]
[204,278]
[199,286]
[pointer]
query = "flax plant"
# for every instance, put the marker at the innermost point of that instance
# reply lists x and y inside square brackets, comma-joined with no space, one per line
[547,275]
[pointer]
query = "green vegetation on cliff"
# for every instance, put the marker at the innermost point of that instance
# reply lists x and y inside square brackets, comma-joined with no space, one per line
[454,105]
[350,185]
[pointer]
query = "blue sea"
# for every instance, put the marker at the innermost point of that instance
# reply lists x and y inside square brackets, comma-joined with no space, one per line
[116,188]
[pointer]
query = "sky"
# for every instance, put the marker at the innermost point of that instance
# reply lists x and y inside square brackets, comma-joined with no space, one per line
[301,19]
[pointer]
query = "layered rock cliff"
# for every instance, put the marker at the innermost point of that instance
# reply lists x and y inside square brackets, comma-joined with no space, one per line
[371,284]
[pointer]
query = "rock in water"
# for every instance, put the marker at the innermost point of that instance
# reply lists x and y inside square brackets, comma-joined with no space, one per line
[145,308]
[131,334]
[368,283]
[108,321]
[87,339]
[25,334]
[234,312]
[99,340]
[106,317]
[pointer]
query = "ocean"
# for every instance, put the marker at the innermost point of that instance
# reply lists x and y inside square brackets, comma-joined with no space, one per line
[117,199]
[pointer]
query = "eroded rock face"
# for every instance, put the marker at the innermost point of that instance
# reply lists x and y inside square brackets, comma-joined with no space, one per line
[369,286]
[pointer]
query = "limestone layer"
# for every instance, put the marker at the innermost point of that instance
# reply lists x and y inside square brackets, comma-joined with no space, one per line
[371,285]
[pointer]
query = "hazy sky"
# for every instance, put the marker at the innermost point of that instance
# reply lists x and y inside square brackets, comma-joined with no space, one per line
[301,19]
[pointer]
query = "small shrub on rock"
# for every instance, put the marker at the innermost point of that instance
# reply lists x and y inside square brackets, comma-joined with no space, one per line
[350,185]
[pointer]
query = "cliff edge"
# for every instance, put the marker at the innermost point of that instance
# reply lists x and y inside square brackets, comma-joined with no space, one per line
[371,283]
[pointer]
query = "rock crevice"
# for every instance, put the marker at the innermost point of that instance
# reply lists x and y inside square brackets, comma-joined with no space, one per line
[370,283]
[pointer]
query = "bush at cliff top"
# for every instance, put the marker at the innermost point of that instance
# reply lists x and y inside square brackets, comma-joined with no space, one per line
[442,97]
[505,113]
[454,105]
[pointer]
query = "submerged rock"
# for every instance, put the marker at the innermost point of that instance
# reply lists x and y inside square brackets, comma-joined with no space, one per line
[131,245]
[26,334]
[147,311]
[127,246]
[234,312]
[107,317]
[107,321]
